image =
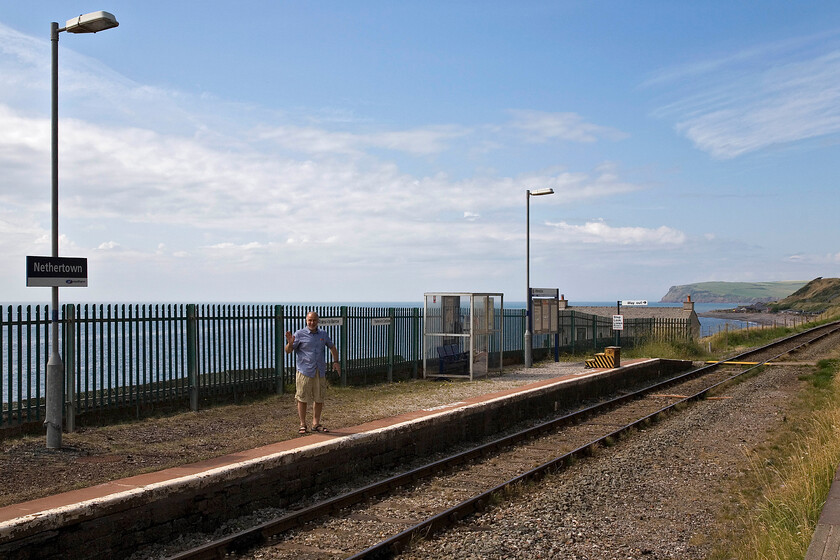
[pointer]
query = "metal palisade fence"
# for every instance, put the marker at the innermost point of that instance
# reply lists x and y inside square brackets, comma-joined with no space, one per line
[137,357]
[140,356]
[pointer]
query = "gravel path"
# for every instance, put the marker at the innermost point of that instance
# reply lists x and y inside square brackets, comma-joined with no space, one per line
[658,494]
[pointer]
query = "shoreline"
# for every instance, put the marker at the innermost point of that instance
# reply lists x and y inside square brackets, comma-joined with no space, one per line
[766,319]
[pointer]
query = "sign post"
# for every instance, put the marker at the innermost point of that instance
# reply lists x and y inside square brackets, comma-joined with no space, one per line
[618,318]
[621,320]
[55,272]
[618,323]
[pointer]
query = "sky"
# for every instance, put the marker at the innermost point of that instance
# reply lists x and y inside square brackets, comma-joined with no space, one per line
[360,151]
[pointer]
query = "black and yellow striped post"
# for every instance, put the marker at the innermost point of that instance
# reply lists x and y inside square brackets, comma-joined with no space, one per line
[608,359]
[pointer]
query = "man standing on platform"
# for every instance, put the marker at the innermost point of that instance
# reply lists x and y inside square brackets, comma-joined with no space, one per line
[311,378]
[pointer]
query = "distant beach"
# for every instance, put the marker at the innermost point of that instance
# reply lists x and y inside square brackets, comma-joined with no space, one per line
[767,319]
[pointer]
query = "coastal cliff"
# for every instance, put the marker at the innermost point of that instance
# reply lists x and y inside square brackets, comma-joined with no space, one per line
[732,292]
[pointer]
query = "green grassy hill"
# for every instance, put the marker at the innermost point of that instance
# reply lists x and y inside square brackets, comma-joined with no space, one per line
[733,292]
[816,296]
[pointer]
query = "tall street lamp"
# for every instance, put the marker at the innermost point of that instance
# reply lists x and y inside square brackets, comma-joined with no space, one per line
[527,342]
[88,23]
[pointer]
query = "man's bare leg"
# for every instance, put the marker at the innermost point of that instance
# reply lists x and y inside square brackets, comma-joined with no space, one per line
[316,413]
[301,406]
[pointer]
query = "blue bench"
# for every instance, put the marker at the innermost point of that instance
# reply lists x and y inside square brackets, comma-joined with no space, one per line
[451,358]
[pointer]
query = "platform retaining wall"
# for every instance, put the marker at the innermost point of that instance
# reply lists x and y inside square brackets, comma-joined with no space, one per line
[116,526]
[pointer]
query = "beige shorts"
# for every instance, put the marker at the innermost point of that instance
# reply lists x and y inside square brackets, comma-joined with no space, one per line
[310,389]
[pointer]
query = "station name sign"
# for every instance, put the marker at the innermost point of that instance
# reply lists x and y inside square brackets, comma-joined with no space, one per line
[56,272]
[545,292]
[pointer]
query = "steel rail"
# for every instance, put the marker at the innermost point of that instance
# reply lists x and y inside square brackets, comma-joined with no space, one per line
[263,533]
[395,544]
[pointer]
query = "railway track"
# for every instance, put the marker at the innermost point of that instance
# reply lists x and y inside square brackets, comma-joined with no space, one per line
[386,516]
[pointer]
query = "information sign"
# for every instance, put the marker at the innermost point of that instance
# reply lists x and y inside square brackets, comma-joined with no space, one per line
[545,292]
[618,322]
[330,322]
[56,272]
[545,316]
[632,302]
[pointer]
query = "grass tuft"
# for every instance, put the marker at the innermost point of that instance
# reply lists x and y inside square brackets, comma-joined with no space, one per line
[787,483]
[673,350]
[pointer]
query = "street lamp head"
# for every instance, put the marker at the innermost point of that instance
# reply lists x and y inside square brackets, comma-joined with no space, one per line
[539,192]
[91,23]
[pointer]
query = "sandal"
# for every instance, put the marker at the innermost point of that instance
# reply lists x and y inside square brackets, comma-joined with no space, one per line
[302,430]
[320,428]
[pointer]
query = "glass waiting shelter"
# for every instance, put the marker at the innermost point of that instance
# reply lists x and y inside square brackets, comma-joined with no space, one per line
[462,334]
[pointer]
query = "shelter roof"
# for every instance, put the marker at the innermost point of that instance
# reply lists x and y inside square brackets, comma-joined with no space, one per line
[636,312]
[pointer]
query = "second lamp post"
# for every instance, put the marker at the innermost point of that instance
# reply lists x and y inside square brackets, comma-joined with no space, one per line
[527,341]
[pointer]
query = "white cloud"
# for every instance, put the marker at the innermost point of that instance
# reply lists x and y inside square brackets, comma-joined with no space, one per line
[601,233]
[829,259]
[142,176]
[540,127]
[359,210]
[771,95]
[424,141]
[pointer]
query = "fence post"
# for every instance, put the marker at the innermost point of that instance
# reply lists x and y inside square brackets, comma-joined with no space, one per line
[391,328]
[279,350]
[343,349]
[415,325]
[192,356]
[70,367]
[2,361]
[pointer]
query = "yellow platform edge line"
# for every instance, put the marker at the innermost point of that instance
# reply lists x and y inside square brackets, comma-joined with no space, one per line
[735,363]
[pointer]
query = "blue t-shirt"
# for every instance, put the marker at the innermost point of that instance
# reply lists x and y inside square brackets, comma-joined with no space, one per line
[309,349]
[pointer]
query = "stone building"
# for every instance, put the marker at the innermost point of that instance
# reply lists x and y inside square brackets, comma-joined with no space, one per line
[660,320]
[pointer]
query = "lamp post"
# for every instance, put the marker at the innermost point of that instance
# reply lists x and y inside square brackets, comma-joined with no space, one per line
[527,341]
[88,23]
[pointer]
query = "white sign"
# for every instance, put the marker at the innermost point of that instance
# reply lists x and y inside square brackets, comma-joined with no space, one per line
[618,322]
[545,316]
[631,302]
[545,292]
[330,322]
[380,321]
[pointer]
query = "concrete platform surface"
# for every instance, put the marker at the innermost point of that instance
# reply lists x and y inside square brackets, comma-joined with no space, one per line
[533,377]
[110,520]
[825,544]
